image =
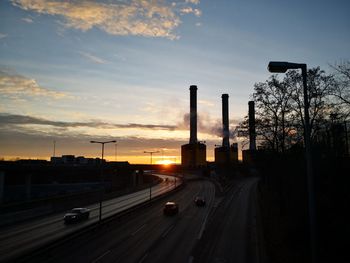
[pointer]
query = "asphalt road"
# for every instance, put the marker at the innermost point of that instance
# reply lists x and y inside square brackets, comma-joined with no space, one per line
[24,237]
[234,233]
[145,235]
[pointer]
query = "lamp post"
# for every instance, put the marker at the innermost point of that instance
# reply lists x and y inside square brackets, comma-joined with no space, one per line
[101,177]
[282,67]
[151,153]
[115,152]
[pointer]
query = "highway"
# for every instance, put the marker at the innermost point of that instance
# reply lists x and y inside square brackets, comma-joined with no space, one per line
[24,237]
[145,235]
[234,233]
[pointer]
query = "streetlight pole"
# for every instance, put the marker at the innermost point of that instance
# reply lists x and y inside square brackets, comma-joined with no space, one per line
[101,177]
[282,67]
[151,153]
[115,152]
[54,148]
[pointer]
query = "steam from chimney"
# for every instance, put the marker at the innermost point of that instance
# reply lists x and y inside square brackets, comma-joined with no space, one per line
[225,122]
[193,114]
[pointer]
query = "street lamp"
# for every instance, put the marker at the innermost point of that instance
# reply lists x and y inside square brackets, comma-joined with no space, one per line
[115,152]
[151,153]
[101,179]
[282,67]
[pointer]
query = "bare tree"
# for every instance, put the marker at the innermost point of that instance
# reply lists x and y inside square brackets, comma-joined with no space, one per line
[319,86]
[341,88]
[273,103]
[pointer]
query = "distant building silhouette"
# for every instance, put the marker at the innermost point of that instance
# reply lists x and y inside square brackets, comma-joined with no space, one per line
[71,159]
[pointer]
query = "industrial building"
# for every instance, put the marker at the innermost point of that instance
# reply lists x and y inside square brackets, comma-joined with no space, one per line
[226,153]
[250,155]
[193,154]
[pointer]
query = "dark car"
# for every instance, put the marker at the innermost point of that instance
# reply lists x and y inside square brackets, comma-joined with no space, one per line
[77,215]
[199,201]
[171,208]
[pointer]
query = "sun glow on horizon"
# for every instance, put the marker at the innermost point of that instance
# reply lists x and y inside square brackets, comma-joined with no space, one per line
[165,162]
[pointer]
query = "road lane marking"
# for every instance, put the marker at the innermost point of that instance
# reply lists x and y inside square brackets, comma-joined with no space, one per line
[203,226]
[138,230]
[143,258]
[167,231]
[100,257]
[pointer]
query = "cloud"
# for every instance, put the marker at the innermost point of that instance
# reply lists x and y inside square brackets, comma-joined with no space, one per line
[17,86]
[190,10]
[93,58]
[207,125]
[27,20]
[2,36]
[196,2]
[149,18]
[13,119]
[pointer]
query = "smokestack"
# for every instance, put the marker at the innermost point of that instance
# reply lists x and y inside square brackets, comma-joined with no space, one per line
[193,114]
[225,131]
[252,134]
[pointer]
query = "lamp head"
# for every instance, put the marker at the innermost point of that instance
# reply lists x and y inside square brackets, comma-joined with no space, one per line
[282,67]
[278,67]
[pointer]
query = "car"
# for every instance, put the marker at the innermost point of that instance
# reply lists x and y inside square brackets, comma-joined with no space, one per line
[171,208]
[199,201]
[76,215]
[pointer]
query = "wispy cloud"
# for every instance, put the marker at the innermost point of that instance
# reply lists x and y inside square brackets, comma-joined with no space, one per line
[27,20]
[93,58]
[16,86]
[150,18]
[206,124]
[2,36]
[14,119]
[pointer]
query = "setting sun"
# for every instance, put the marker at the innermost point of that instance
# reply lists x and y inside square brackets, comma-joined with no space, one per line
[165,162]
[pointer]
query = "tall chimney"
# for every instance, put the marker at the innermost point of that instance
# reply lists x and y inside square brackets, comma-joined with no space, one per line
[225,128]
[193,114]
[252,134]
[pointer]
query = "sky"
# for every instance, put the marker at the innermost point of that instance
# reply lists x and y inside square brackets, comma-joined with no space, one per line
[76,71]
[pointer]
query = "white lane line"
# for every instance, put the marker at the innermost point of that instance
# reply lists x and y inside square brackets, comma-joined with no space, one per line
[203,227]
[100,257]
[133,234]
[167,231]
[143,258]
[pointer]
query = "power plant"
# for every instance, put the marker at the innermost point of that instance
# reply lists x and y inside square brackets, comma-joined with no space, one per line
[226,153]
[249,155]
[252,134]
[193,154]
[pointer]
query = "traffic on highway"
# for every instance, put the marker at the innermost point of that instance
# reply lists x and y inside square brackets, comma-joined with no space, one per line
[145,235]
[22,238]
